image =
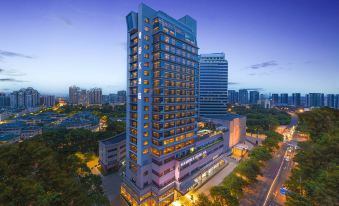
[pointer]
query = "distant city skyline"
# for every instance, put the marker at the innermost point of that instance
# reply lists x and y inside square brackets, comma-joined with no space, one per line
[275,48]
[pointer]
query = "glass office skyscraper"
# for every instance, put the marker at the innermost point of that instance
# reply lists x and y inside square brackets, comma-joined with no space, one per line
[213,84]
[161,104]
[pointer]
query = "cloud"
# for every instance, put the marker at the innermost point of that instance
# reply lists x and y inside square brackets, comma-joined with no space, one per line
[255,89]
[10,80]
[264,65]
[232,83]
[4,53]
[11,72]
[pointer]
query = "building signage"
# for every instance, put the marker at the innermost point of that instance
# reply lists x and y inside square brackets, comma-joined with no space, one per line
[195,157]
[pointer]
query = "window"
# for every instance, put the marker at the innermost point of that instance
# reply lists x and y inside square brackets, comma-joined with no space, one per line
[146,125]
[146,46]
[146,73]
[146,82]
[146,20]
[146,28]
[146,90]
[145,143]
[145,116]
[146,99]
[145,151]
[146,108]
[146,37]
[146,56]
[146,64]
[146,134]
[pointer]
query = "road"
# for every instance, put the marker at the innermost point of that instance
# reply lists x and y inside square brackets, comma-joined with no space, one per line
[257,193]
[276,198]
[275,173]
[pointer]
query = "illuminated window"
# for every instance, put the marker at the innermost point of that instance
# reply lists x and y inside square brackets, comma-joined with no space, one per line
[146,82]
[146,64]
[146,99]
[145,116]
[146,108]
[146,47]
[146,73]
[146,56]
[147,20]
[146,28]
[146,125]
[145,143]
[146,90]
[146,134]
[146,37]
[167,39]
[145,151]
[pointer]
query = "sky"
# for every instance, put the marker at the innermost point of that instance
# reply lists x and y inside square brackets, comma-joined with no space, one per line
[271,45]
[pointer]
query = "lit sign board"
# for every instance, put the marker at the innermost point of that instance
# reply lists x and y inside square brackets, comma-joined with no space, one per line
[195,157]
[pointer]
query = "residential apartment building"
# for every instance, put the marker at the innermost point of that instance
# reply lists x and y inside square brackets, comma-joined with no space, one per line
[296,99]
[315,100]
[213,81]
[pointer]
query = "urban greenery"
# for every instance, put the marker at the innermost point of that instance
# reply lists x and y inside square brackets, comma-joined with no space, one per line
[231,189]
[46,169]
[315,180]
[260,119]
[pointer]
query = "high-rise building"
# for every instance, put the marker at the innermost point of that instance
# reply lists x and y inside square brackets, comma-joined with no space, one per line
[121,96]
[83,97]
[95,96]
[315,100]
[284,99]
[161,106]
[296,99]
[243,96]
[47,100]
[275,99]
[73,94]
[254,97]
[233,96]
[4,100]
[24,98]
[213,81]
[336,101]
[330,100]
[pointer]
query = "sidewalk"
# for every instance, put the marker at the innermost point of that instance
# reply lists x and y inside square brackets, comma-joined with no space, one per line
[217,179]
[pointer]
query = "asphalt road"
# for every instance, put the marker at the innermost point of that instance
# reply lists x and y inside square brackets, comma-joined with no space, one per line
[257,193]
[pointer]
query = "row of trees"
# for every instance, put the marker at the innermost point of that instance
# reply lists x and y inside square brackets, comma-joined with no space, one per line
[231,189]
[315,180]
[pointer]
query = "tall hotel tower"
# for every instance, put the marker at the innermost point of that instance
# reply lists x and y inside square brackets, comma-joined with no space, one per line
[161,111]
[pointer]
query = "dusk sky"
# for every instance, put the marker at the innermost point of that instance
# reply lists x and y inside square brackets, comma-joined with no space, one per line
[273,45]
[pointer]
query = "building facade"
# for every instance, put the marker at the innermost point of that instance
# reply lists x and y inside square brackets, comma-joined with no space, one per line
[330,100]
[161,104]
[233,97]
[296,99]
[112,152]
[315,100]
[254,97]
[275,99]
[243,96]
[213,81]
[95,96]
[284,99]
